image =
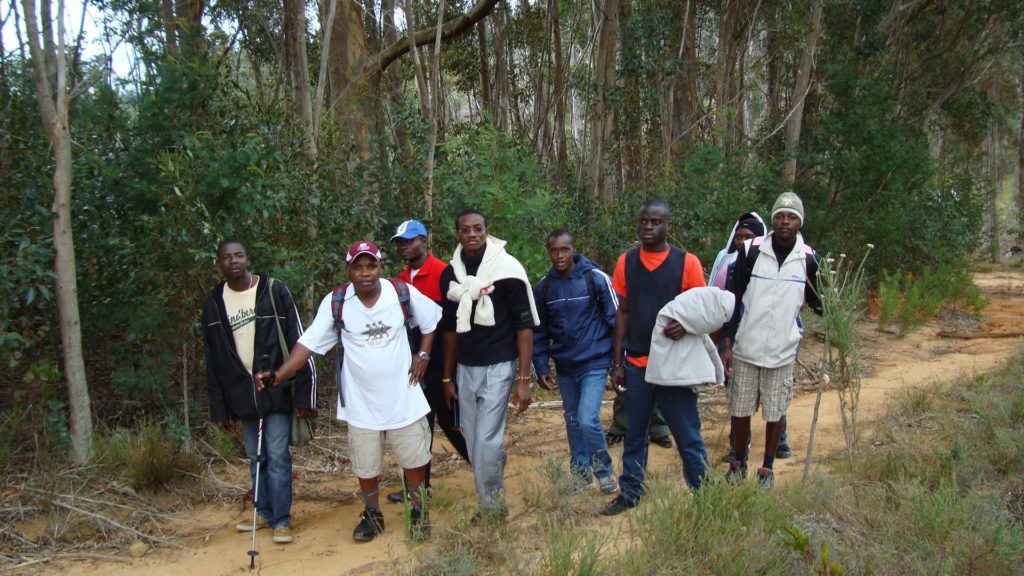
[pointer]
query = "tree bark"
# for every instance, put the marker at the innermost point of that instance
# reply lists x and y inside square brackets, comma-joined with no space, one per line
[170,28]
[501,87]
[485,74]
[602,116]
[1020,160]
[992,150]
[302,99]
[435,116]
[803,84]
[53,107]
[394,78]
[326,30]
[561,154]
[682,97]
[631,132]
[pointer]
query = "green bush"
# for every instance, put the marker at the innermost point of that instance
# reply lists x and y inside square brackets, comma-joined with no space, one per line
[147,458]
[908,301]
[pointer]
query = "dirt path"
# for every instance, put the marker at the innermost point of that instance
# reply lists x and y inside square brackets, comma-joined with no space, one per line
[323,543]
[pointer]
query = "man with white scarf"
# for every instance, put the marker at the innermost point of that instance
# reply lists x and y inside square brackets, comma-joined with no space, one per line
[488,321]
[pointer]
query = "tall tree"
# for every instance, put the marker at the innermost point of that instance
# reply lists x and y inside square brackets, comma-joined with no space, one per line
[602,119]
[1020,158]
[53,107]
[302,98]
[803,85]
[559,80]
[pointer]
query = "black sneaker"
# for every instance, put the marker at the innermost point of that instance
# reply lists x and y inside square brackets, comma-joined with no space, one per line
[371,523]
[736,474]
[663,441]
[783,452]
[617,506]
[613,438]
[730,457]
[419,524]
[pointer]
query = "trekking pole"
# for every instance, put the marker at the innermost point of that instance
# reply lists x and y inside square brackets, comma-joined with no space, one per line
[262,365]
[256,497]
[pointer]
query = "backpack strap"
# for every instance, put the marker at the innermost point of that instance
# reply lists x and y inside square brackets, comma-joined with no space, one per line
[403,299]
[337,305]
[591,287]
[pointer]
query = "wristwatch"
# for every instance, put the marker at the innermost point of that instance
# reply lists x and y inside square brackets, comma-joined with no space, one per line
[424,356]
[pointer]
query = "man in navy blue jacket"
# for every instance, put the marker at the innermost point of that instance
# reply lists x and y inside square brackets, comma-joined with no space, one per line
[577,305]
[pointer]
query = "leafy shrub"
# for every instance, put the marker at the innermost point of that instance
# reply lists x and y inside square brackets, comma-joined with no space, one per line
[908,300]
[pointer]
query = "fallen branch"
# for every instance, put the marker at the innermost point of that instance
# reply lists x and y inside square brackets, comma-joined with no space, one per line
[117,524]
[88,555]
[977,335]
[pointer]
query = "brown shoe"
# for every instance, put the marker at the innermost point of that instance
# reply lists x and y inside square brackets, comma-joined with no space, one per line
[246,525]
[283,535]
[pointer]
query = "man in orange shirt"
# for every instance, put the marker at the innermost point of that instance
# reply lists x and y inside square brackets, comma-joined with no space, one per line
[654,274]
[423,270]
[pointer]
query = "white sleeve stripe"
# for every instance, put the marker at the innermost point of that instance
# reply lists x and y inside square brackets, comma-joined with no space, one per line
[608,283]
[312,365]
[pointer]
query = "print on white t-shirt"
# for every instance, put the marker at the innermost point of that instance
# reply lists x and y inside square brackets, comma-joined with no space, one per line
[375,370]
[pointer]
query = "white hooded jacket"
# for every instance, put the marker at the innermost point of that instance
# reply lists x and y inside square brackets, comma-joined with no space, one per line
[693,359]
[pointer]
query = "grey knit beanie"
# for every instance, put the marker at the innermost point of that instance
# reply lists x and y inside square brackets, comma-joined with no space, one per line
[789,202]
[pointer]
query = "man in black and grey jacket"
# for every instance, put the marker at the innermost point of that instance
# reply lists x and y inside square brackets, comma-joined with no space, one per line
[240,338]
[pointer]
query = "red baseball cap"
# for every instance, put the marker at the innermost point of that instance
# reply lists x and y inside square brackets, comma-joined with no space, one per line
[362,247]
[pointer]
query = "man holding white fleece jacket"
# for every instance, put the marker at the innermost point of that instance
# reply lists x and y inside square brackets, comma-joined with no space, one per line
[678,369]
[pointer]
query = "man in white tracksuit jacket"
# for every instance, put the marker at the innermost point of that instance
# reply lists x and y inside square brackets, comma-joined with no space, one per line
[773,278]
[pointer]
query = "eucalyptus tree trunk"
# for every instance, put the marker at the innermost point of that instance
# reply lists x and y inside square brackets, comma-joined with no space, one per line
[394,78]
[803,85]
[53,107]
[682,105]
[992,152]
[725,69]
[1020,160]
[500,94]
[561,155]
[302,98]
[485,73]
[602,114]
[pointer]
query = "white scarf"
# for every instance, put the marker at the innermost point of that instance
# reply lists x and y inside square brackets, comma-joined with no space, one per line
[496,265]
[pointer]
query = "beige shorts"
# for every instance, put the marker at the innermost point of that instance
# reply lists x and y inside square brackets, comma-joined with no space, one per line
[750,383]
[410,445]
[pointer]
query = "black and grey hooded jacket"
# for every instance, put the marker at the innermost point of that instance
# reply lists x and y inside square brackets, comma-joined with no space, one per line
[232,392]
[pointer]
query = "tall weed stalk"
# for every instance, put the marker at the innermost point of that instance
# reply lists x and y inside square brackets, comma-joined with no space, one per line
[841,287]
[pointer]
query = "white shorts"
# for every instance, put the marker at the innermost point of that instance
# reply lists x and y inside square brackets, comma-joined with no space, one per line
[410,445]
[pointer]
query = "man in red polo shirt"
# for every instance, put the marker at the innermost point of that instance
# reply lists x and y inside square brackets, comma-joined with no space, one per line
[423,270]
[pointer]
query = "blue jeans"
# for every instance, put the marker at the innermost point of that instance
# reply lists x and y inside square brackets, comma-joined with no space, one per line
[581,400]
[274,494]
[678,406]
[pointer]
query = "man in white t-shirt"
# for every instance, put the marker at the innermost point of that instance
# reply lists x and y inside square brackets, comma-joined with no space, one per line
[379,384]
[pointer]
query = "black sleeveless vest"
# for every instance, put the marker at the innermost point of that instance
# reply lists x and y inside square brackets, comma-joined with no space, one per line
[647,291]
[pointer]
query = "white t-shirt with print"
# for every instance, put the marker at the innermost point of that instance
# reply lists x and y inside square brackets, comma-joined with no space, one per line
[241,309]
[375,371]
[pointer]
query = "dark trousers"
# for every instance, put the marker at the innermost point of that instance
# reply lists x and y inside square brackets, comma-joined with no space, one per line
[678,406]
[443,416]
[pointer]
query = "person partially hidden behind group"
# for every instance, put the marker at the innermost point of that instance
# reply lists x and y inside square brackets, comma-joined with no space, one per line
[423,270]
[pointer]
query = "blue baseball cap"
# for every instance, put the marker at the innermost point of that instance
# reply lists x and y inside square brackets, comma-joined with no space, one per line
[409,230]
